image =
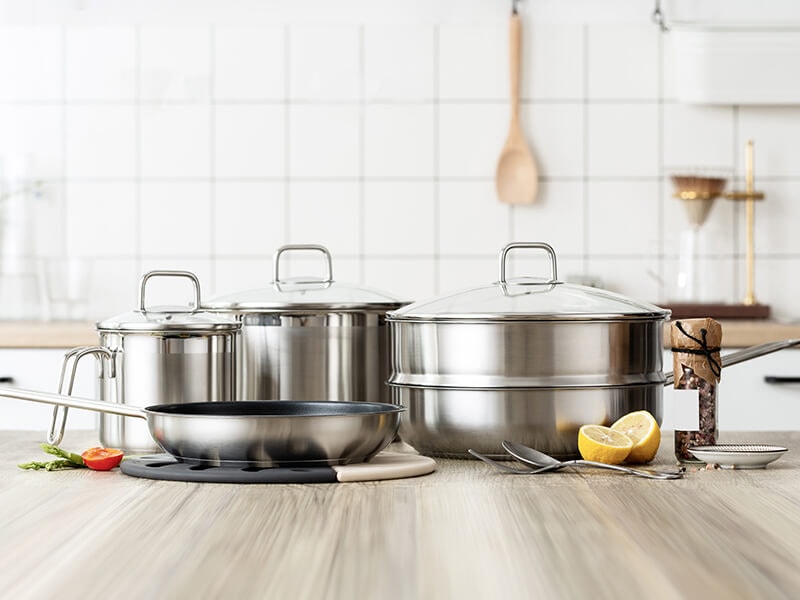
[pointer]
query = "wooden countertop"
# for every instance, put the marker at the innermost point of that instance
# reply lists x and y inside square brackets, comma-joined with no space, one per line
[47,334]
[465,531]
[742,333]
[69,334]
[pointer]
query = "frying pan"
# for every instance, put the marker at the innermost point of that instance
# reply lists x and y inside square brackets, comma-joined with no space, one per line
[254,433]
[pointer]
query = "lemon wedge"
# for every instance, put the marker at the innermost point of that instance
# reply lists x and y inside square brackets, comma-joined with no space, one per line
[603,444]
[643,430]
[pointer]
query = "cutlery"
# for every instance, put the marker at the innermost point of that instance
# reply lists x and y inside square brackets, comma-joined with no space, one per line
[508,469]
[538,459]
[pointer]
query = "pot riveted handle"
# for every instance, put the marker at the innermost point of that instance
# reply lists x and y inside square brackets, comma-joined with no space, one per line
[302,247]
[531,245]
[187,274]
[734,358]
[56,432]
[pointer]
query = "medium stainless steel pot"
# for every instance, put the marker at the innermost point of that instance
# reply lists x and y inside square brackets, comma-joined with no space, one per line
[153,356]
[528,359]
[310,338]
[253,434]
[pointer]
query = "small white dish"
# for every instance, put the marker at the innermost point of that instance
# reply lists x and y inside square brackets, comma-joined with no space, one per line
[738,456]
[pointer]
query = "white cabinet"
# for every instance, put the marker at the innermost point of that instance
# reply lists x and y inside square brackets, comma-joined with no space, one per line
[39,369]
[745,402]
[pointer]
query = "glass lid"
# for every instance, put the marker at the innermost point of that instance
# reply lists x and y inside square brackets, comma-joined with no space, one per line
[169,318]
[529,298]
[304,293]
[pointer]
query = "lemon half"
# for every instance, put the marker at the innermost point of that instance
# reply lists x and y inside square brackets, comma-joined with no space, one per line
[642,428]
[603,444]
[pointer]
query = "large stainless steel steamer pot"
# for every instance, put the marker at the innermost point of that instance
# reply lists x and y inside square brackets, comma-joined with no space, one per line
[158,356]
[528,359]
[310,338]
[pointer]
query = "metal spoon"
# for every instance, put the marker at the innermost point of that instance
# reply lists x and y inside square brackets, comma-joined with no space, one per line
[538,459]
[507,469]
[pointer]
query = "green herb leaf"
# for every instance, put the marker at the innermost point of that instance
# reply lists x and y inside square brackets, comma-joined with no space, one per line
[52,465]
[70,456]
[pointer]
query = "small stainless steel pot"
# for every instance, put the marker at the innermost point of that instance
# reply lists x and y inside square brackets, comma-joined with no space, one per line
[310,338]
[157,355]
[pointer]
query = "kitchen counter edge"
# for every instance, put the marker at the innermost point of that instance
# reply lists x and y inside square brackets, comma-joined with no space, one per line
[69,334]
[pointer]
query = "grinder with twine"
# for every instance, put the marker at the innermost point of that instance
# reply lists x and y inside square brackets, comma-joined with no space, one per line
[697,366]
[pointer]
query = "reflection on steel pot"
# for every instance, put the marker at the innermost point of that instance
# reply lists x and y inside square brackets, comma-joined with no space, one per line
[164,355]
[310,338]
[528,359]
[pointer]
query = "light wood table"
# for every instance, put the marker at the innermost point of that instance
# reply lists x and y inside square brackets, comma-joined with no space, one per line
[47,334]
[68,334]
[464,531]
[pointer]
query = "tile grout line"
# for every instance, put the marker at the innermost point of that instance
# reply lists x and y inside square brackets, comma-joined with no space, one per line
[212,166]
[660,137]
[137,154]
[64,196]
[361,154]
[437,261]
[378,179]
[338,102]
[585,262]
[287,132]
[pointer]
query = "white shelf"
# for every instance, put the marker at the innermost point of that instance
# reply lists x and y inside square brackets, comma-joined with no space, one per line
[736,64]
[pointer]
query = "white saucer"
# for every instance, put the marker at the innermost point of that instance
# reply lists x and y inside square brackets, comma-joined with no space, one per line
[738,456]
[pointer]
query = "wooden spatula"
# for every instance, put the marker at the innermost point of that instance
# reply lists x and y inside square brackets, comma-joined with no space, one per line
[517,177]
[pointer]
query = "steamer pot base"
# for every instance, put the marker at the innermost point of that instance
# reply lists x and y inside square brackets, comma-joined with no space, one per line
[446,422]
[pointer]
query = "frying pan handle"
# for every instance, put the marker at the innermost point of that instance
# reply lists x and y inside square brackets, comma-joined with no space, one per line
[125,410]
[294,247]
[187,274]
[532,245]
[735,358]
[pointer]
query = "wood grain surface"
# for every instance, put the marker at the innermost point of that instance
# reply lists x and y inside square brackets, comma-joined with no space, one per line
[68,334]
[464,531]
[47,334]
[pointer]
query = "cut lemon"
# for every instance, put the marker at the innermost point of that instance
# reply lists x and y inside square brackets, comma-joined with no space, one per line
[603,444]
[643,430]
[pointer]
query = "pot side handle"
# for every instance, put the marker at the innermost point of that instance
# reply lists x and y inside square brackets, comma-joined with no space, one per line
[58,421]
[735,358]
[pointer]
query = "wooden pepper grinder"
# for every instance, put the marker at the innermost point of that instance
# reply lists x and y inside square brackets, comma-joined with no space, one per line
[697,366]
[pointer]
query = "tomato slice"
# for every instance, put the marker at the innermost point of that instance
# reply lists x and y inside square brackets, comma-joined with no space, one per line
[102,459]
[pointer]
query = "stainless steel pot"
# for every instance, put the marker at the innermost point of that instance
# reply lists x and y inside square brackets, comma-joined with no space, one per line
[310,338]
[253,434]
[528,359]
[154,356]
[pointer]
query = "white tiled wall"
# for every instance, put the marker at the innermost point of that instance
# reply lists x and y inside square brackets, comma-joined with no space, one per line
[189,136]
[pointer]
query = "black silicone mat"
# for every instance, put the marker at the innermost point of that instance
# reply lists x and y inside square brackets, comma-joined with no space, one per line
[386,465]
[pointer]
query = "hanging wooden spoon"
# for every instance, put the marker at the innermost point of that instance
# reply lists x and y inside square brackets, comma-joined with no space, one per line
[517,177]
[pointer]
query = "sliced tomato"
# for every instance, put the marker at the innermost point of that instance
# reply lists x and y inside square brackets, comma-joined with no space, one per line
[102,459]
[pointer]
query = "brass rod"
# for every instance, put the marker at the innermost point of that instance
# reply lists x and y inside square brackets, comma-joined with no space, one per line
[750,296]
